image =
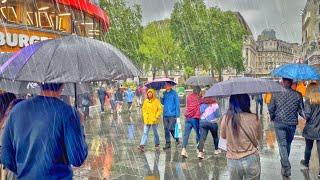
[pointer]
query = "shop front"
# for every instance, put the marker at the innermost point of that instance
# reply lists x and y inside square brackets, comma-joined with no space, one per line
[24,22]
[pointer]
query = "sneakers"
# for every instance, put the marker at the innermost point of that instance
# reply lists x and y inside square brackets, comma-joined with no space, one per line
[285,173]
[200,155]
[217,152]
[319,175]
[184,153]
[141,148]
[304,164]
[167,146]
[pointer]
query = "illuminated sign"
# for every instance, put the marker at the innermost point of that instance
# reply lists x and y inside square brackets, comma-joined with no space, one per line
[13,39]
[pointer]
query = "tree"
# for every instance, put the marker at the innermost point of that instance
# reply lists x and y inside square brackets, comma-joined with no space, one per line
[125,30]
[211,38]
[159,48]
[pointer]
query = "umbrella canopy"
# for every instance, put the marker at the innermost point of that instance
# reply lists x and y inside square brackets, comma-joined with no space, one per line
[70,59]
[18,87]
[159,83]
[200,81]
[4,57]
[243,85]
[299,72]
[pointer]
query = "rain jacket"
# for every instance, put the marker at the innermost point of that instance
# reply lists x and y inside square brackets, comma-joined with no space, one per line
[193,107]
[301,88]
[151,109]
[312,128]
[129,95]
[171,104]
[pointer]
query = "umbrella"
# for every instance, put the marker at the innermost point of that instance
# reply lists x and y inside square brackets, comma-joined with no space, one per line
[243,85]
[4,57]
[70,59]
[299,72]
[200,81]
[18,87]
[159,83]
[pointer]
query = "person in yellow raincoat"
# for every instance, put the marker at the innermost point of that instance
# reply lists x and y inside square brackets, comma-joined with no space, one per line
[151,111]
[301,88]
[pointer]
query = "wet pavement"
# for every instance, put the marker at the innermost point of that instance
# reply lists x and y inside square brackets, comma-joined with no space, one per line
[113,154]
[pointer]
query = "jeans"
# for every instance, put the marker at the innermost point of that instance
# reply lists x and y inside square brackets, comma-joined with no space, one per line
[205,127]
[308,150]
[146,129]
[245,168]
[189,124]
[102,100]
[285,134]
[169,125]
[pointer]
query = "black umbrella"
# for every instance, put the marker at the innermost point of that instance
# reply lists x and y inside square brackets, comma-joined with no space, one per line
[200,81]
[243,85]
[70,59]
[18,87]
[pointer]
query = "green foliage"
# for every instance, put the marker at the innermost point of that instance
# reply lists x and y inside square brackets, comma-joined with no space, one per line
[159,48]
[189,71]
[125,31]
[209,36]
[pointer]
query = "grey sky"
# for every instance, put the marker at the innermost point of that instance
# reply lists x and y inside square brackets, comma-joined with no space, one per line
[281,15]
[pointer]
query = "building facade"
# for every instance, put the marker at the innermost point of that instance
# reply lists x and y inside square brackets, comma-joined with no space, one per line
[24,22]
[311,32]
[267,53]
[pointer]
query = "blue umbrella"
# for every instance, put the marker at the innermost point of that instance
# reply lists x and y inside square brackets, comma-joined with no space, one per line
[299,72]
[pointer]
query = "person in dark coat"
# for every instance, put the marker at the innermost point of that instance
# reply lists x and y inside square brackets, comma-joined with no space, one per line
[311,131]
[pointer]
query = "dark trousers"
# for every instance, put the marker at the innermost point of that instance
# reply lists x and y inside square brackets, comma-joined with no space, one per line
[205,127]
[308,150]
[285,134]
[189,125]
[102,100]
[169,125]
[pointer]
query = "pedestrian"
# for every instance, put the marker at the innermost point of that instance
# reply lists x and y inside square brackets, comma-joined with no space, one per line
[102,95]
[43,137]
[171,111]
[210,113]
[139,95]
[85,103]
[241,129]
[259,103]
[118,96]
[129,98]
[284,109]
[4,173]
[192,116]
[311,131]
[151,110]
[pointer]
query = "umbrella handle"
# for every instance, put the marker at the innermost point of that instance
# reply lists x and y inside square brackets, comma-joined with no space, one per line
[75,96]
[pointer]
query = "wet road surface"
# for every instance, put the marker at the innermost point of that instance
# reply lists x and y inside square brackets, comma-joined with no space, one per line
[113,154]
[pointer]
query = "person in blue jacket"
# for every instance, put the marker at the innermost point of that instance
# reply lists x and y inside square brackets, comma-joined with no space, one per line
[43,137]
[129,98]
[171,111]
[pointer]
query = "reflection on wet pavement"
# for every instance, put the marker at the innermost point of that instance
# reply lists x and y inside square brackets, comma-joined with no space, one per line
[113,154]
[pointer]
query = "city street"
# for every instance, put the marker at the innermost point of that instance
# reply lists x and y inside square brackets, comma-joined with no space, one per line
[113,154]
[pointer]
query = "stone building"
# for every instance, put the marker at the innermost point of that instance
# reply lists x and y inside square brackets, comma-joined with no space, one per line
[311,32]
[267,53]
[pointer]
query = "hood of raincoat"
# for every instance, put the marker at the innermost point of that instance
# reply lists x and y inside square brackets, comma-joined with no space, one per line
[153,92]
[151,109]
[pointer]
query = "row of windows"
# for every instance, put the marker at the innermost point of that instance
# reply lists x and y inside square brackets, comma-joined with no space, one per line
[46,14]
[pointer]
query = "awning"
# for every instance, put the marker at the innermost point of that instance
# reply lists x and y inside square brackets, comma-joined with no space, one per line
[88,7]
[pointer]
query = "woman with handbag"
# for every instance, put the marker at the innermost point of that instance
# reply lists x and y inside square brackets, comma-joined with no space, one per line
[242,130]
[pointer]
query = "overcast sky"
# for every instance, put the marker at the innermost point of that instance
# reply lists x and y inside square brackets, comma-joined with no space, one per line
[281,15]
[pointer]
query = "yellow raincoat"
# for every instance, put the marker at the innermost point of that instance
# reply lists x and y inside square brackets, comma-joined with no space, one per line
[151,109]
